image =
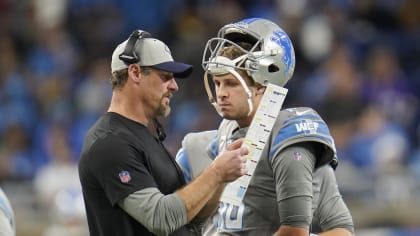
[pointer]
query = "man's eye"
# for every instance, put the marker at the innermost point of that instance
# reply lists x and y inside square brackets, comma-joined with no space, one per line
[165,77]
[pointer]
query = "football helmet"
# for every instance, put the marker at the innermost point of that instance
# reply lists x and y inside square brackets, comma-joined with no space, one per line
[271,58]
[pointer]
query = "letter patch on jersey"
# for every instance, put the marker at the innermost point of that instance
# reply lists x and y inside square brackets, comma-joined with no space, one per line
[307,126]
[231,217]
[124,176]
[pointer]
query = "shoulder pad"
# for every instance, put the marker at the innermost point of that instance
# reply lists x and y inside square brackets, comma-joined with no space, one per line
[303,124]
[193,156]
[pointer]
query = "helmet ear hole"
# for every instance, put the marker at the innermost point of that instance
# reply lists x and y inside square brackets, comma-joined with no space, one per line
[273,68]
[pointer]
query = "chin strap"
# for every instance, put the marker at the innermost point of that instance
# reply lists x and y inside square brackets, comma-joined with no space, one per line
[246,88]
[210,94]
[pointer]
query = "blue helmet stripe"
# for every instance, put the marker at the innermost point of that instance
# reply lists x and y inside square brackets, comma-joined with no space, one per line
[248,20]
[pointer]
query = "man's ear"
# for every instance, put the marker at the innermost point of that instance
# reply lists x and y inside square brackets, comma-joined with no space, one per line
[134,73]
[260,90]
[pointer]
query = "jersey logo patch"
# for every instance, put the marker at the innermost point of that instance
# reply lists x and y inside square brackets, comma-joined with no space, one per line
[124,176]
[297,156]
[307,125]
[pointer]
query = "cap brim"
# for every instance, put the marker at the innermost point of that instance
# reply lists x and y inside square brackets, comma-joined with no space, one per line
[180,70]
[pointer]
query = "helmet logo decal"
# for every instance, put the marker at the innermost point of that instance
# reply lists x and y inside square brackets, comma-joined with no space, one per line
[279,37]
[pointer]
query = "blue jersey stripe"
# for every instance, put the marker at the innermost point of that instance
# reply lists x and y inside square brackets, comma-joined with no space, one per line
[309,126]
[214,149]
[182,159]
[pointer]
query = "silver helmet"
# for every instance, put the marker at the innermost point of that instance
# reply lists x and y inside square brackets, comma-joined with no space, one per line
[270,59]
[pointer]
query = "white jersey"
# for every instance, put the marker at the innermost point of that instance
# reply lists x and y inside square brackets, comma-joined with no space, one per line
[259,213]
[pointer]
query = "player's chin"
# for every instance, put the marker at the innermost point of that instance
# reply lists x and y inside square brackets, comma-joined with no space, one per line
[228,116]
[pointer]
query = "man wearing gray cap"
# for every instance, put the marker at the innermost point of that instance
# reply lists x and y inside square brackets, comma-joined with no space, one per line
[131,184]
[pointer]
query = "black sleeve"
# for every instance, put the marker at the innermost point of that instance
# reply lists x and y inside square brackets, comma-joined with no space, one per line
[119,167]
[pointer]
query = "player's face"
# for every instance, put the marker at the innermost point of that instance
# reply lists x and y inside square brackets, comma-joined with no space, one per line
[158,89]
[231,97]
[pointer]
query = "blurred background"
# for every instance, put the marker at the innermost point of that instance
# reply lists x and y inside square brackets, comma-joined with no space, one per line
[358,65]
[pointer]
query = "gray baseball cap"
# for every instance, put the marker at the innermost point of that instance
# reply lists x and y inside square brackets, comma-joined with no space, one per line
[154,53]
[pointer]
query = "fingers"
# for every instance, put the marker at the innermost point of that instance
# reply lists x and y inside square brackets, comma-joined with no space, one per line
[232,162]
[231,165]
[243,151]
[242,154]
[235,145]
[244,169]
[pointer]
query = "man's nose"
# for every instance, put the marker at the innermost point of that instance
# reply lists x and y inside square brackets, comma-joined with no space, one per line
[221,92]
[173,86]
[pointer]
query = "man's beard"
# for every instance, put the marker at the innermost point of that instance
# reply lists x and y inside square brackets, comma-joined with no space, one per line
[163,110]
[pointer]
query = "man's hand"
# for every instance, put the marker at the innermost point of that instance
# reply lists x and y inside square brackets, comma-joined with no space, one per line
[230,164]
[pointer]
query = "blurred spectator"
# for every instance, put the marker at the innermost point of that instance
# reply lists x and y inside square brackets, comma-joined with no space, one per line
[15,154]
[386,85]
[17,104]
[378,144]
[91,96]
[57,186]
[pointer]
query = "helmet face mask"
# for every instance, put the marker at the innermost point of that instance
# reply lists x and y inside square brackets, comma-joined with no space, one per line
[270,59]
[218,64]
